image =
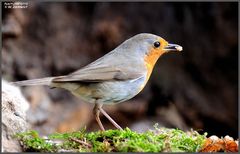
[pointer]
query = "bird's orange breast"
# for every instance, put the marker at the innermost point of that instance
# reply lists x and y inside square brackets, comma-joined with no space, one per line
[151,59]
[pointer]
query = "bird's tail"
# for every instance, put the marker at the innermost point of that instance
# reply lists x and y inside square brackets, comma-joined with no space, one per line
[34,82]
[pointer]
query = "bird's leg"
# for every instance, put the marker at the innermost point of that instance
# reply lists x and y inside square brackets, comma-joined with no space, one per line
[109,118]
[96,111]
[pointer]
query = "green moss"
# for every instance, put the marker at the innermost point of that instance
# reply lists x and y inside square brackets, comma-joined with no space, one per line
[32,142]
[157,140]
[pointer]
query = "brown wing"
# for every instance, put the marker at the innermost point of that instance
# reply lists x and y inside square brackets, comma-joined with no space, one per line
[98,74]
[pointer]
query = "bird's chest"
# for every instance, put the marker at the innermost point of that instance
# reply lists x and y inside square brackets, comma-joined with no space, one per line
[110,92]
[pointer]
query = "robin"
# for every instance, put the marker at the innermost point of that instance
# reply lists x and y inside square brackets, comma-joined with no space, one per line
[114,78]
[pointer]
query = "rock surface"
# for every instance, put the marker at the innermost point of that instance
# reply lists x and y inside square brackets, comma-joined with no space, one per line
[14,107]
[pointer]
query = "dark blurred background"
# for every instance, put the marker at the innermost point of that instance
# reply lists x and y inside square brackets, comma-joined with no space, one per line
[197,88]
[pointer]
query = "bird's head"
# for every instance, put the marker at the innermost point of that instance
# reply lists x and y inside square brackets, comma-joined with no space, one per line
[151,47]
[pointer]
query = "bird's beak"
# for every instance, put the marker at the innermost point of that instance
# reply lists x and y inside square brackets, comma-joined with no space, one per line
[173,47]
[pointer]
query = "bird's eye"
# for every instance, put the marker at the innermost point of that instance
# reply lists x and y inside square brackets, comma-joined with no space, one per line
[156,44]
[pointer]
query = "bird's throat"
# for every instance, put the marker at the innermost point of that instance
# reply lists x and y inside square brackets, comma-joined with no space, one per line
[151,59]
